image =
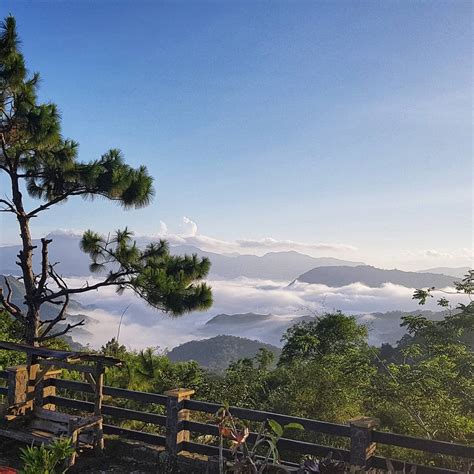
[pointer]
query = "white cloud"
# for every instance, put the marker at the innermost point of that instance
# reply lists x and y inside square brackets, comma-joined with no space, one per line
[424,258]
[464,253]
[191,236]
[67,232]
[163,229]
[269,243]
[143,326]
[436,254]
[188,234]
[190,227]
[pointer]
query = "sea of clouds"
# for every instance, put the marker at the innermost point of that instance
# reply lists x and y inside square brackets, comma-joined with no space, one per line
[139,325]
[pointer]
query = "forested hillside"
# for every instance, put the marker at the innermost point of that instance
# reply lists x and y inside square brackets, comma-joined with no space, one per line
[217,353]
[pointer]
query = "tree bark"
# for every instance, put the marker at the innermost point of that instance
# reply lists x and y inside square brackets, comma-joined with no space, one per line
[26,264]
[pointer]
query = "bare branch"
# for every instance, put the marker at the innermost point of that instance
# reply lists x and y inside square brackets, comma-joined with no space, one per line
[57,319]
[61,333]
[44,265]
[10,207]
[12,308]
[57,278]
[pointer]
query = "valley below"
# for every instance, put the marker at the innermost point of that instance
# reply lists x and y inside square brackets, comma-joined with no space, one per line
[255,297]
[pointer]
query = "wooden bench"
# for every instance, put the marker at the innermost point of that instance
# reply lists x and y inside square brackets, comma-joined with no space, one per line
[45,426]
[31,416]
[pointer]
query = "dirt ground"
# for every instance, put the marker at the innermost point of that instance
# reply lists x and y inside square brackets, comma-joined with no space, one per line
[119,457]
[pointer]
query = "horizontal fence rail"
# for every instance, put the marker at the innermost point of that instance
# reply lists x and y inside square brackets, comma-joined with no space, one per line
[421,444]
[177,426]
[109,410]
[294,445]
[144,397]
[402,466]
[255,415]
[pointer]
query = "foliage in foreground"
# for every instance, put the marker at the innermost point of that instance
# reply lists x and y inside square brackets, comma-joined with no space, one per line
[47,459]
[424,386]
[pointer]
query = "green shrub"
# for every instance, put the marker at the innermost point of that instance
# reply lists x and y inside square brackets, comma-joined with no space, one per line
[49,459]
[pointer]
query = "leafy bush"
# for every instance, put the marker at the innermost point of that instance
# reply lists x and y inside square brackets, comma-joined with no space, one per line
[49,459]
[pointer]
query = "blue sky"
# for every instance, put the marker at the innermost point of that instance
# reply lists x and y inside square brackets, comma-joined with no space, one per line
[313,122]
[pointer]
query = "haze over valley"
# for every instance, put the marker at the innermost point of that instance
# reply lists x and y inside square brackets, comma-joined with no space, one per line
[255,296]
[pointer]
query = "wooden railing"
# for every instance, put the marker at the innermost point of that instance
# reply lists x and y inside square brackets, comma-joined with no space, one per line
[177,426]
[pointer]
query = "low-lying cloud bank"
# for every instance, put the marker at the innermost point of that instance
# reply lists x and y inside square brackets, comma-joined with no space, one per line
[143,326]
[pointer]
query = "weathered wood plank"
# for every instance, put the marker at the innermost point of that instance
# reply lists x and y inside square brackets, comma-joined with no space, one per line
[26,437]
[46,352]
[254,415]
[143,397]
[116,412]
[403,466]
[84,423]
[429,445]
[53,415]
[67,365]
[433,446]
[294,445]
[49,426]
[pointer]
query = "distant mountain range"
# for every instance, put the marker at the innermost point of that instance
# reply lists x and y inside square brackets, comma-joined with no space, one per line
[265,327]
[458,272]
[64,249]
[246,318]
[373,277]
[383,327]
[274,265]
[216,353]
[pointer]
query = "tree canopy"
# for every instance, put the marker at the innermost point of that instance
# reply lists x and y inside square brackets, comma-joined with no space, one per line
[39,161]
[331,334]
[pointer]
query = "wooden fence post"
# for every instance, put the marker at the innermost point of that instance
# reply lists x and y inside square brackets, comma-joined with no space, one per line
[21,388]
[174,415]
[362,446]
[44,390]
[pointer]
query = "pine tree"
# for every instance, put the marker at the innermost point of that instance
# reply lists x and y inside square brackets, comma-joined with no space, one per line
[38,161]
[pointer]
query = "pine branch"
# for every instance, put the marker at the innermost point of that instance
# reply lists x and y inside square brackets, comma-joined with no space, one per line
[52,202]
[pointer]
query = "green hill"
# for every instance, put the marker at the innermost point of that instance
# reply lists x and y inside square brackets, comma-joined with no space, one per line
[216,353]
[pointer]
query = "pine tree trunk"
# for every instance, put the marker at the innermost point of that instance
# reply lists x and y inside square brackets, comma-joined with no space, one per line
[26,263]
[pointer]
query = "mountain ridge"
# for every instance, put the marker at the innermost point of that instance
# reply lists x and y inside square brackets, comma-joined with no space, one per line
[273,265]
[374,277]
[458,272]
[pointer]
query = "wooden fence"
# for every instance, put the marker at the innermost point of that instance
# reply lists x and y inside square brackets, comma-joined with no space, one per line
[177,425]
